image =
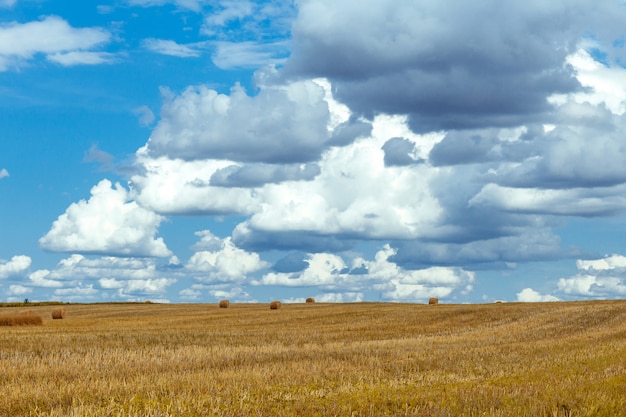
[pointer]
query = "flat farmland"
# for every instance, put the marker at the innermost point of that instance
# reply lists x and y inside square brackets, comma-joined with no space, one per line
[357,359]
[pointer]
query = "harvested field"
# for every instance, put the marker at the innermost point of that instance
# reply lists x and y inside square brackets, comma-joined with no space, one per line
[361,359]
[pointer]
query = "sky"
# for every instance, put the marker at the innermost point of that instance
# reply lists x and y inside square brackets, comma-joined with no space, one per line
[189,151]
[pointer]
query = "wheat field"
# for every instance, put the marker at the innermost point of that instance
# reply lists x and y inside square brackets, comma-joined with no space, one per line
[317,359]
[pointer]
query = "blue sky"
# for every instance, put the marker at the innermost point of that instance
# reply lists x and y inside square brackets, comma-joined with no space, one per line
[191,150]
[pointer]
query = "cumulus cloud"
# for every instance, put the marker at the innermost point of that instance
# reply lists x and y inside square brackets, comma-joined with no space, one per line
[442,63]
[3,173]
[277,125]
[175,186]
[108,223]
[17,265]
[331,273]
[597,278]
[222,261]
[81,277]
[54,37]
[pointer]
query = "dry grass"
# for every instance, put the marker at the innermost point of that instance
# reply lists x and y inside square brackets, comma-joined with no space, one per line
[362,359]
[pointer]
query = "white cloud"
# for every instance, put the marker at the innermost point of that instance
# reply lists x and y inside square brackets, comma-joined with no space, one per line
[223,262]
[40,278]
[169,47]
[80,277]
[605,84]
[607,263]
[345,297]
[576,201]
[193,5]
[3,173]
[175,186]
[17,290]
[17,265]
[69,59]
[108,223]
[324,269]
[286,124]
[597,278]
[51,36]
[528,295]
[330,272]
[232,10]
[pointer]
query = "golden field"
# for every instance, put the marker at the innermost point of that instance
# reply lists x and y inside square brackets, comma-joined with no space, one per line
[361,359]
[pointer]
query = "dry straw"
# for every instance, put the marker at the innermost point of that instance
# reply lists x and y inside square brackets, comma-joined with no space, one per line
[21,320]
[433,300]
[310,300]
[275,305]
[58,313]
[224,304]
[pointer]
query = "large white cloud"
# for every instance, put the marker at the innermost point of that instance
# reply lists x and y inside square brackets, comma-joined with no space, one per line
[54,37]
[17,265]
[108,223]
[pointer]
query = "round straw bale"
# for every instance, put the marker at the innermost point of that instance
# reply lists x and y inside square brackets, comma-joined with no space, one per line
[224,304]
[433,300]
[58,313]
[310,300]
[275,305]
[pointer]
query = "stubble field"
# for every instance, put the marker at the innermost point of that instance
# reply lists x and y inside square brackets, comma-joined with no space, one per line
[362,359]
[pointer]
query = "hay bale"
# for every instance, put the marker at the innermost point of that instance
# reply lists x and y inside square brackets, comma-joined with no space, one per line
[58,313]
[224,304]
[433,300]
[275,305]
[21,320]
[310,300]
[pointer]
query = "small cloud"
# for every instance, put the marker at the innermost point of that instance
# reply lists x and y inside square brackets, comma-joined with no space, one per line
[145,115]
[69,59]
[528,295]
[94,154]
[7,3]
[105,9]
[171,48]
[3,173]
